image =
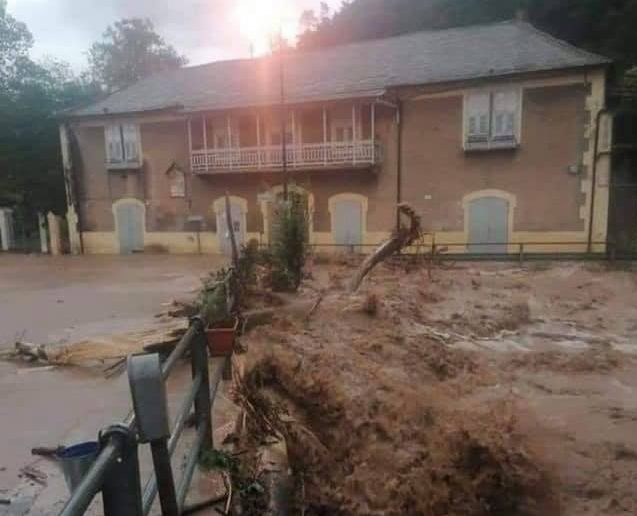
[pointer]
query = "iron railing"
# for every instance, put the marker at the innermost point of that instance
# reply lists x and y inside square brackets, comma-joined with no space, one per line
[116,472]
[489,250]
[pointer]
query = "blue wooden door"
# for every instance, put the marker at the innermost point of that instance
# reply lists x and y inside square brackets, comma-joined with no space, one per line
[130,227]
[348,224]
[488,224]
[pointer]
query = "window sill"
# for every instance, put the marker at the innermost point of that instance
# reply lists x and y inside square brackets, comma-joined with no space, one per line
[123,165]
[491,145]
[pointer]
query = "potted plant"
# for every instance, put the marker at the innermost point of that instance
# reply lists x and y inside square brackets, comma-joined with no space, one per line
[221,336]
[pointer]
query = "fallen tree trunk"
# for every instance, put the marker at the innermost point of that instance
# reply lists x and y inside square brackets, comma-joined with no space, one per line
[402,237]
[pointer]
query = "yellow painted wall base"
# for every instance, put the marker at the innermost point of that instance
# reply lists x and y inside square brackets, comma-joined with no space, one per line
[100,242]
[186,242]
[531,241]
[172,242]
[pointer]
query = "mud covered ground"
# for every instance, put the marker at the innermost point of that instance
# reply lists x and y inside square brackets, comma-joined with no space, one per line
[483,389]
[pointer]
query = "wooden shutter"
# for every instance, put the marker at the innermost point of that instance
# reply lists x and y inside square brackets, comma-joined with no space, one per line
[505,114]
[477,116]
[114,151]
[131,142]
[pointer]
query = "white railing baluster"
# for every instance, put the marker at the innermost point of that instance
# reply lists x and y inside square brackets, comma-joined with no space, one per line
[307,155]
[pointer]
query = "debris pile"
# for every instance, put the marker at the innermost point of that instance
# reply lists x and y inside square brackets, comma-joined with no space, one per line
[343,444]
[409,396]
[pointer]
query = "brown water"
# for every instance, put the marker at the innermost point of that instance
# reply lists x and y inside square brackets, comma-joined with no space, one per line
[48,300]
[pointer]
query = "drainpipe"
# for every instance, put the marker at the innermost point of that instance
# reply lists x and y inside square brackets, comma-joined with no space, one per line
[399,161]
[602,112]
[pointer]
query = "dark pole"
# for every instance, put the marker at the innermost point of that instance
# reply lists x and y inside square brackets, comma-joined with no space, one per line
[591,213]
[121,490]
[284,118]
[399,161]
[164,475]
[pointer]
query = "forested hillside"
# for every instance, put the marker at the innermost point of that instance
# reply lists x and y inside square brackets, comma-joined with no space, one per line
[608,27]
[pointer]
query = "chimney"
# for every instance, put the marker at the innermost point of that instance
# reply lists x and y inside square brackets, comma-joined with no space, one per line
[522,15]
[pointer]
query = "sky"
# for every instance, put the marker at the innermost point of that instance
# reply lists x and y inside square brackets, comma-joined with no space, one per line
[203,30]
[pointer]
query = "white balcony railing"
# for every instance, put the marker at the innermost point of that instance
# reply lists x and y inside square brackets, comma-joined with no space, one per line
[299,156]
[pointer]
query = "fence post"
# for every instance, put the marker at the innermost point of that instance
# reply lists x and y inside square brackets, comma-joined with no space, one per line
[121,491]
[203,408]
[164,475]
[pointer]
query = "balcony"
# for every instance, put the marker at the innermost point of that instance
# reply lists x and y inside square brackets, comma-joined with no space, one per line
[305,156]
[334,136]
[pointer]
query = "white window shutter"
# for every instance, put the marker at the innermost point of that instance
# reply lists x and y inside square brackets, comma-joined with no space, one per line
[131,142]
[505,113]
[477,115]
[114,151]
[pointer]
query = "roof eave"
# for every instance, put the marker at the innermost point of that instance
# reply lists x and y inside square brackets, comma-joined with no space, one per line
[503,75]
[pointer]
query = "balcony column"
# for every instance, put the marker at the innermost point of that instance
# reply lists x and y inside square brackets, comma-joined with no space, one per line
[324,136]
[373,124]
[229,144]
[258,139]
[192,158]
[189,135]
[205,140]
[205,136]
[354,134]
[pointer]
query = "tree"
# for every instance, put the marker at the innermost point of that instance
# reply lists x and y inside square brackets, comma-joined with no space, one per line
[603,26]
[308,20]
[130,50]
[30,96]
[15,42]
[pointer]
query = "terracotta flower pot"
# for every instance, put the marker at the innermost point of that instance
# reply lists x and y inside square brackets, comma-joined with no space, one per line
[221,337]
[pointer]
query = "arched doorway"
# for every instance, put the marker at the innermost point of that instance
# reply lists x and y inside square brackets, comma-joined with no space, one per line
[489,221]
[270,208]
[238,212]
[348,220]
[129,225]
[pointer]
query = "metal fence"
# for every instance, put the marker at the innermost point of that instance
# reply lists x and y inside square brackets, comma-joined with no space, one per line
[519,251]
[116,471]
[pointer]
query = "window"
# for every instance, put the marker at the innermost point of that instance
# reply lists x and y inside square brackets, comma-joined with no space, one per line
[218,128]
[342,130]
[343,134]
[122,145]
[275,132]
[176,181]
[492,119]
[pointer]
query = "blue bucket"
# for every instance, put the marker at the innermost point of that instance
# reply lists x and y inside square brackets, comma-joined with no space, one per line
[76,460]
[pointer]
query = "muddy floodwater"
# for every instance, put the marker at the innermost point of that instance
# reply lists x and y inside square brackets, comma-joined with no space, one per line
[56,300]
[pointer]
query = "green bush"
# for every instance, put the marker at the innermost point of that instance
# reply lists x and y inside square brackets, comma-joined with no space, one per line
[249,257]
[289,245]
[212,297]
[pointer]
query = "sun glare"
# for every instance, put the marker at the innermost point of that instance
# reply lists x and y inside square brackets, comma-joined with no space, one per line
[261,20]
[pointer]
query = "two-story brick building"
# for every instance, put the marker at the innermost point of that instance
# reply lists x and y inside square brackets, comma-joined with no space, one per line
[494,133]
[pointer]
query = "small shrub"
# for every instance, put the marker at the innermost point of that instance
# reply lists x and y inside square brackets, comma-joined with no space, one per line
[217,459]
[248,260]
[212,297]
[289,245]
